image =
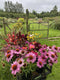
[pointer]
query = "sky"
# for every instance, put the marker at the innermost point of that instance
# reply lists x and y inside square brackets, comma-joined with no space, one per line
[37,5]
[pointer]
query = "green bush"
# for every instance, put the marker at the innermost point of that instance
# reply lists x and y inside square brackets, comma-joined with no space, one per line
[56,25]
[21,20]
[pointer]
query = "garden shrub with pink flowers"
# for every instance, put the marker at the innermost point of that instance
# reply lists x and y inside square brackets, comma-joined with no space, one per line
[29,60]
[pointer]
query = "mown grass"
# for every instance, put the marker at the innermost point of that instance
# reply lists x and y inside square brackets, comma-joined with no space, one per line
[5,73]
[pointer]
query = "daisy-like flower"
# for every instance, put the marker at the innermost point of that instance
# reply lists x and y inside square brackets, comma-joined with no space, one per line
[31,57]
[47,55]
[40,63]
[49,48]
[44,46]
[43,58]
[59,49]
[55,61]
[24,48]
[22,52]
[9,57]
[35,53]
[52,55]
[31,46]
[17,51]
[50,62]
[54,48]
[15,67]
[8,51]
[38,46]
[21,62]
[42,51]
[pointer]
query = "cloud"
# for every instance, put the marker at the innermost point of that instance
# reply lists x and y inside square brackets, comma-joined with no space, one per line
[37,5]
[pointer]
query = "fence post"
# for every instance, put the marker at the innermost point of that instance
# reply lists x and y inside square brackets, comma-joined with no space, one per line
[48,30]
[4,26]
[27,16]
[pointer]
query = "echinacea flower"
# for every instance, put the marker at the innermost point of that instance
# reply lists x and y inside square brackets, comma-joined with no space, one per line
[37,46]
[31,57]
[15,67]
[42,51]
[50,62]
[31,46]
[24,48]
[22,52]
[17,51]
[9,57]
[59,49]
[54,48]
[40,63]
[35,53]
[44,46]
[49,48]
[21,62]
[47,55]
[43,58]
[52,55]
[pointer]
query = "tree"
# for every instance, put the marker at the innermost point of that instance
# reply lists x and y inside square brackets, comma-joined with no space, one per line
[10,7]
[34,12]
[55,8]
[54,12]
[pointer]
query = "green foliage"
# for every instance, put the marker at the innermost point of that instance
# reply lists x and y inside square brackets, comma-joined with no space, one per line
[21,20]
[56,24]
[12,15]
[32,15]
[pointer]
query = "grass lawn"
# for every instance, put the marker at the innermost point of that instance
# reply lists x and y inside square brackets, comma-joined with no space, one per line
[5,73]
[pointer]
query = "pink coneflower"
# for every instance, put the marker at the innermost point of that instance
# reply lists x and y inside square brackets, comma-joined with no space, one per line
[40,63]
[24,48]
[21,62]
[8,51]
[49,48]
[52,55]
[59,49]
[35,53]
[15,67]
[44,46]
[22,52]
[9,57]
[54,48]
[31,57]
[42,51]
[17,51]
[47,55]
[43,58]
[50,62]
[31,46]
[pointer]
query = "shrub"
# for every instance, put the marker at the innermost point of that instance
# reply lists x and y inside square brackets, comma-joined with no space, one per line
[56,25]
[21,20]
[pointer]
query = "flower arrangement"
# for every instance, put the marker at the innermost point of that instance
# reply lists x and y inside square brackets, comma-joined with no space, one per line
[30,59]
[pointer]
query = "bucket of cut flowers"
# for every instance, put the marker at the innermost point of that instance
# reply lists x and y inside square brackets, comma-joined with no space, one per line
[29,60]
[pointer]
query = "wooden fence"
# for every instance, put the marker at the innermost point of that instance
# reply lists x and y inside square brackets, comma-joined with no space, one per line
[28,26]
